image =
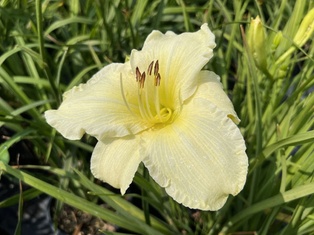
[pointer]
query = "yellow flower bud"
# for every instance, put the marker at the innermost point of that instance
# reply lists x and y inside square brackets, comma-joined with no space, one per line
[305,30]
[256,43]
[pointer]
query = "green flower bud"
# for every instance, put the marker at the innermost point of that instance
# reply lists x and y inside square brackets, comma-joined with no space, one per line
[277,40]
[256,43]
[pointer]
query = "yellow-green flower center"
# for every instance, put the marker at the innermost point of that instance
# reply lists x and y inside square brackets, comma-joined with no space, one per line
[148,95]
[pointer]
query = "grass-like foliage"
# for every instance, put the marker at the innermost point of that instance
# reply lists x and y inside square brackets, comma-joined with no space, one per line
[266,66]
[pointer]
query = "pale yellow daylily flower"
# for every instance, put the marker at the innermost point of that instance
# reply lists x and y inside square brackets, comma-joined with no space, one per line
[159,108]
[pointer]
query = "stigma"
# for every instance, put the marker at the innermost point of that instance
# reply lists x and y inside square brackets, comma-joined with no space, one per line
[151,109]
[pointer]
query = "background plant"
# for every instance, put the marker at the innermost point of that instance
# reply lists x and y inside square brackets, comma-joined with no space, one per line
[266,67]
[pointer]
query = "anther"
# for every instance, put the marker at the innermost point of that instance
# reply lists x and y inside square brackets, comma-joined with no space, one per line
[150,68]
[137,74]
[142,80]
[156,68]
[157,79]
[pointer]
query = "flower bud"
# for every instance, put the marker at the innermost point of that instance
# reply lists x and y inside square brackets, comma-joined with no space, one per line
[305,30]
[277,40]
[256,43]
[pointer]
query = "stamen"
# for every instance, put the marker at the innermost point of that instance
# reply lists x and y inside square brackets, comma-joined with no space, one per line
[137,74]
[147,103]
[157,103]
[156,68]
[150,107]
[157,79]
[150,68]
[143,99]
[142,80]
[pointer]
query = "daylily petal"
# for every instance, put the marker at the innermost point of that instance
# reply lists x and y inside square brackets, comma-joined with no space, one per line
[200,158]
[116,161]
[180,58]
[98,108]
[210,88]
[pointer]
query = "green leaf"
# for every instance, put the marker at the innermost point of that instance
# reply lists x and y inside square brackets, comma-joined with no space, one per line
[277,200]
[63,23]
[121,205]
[294,140]
[80,203]
[27,195]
